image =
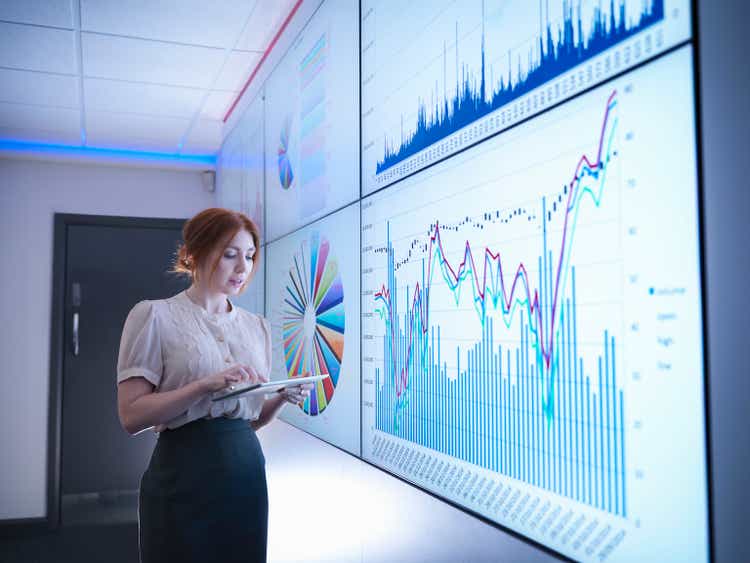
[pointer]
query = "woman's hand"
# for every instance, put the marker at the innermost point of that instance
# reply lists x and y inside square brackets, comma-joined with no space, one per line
[236,374]
[297,394]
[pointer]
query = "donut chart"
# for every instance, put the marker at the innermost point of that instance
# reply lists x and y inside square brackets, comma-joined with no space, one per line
[313,319]
[286,175]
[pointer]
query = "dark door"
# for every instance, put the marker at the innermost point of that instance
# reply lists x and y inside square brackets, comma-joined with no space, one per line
[108,270]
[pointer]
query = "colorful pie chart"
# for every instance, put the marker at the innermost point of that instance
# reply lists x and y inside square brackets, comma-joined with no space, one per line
[286,175]
[313,320]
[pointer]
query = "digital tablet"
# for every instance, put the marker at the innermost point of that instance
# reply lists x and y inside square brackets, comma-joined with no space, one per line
[269,387]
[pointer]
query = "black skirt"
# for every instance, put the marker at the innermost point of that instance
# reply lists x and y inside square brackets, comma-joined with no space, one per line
[204,496]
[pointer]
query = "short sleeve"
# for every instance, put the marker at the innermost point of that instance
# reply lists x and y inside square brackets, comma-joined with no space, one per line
[140,345]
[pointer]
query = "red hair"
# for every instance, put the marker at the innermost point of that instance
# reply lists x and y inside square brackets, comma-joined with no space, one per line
[209,231]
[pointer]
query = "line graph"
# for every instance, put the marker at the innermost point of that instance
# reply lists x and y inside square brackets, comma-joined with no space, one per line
[478,67]
[552,371]
[525,318]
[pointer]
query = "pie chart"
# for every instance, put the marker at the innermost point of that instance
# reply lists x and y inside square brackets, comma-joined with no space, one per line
[313,319]
[286,175]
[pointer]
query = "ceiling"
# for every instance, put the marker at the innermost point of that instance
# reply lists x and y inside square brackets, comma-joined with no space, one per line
[142,75]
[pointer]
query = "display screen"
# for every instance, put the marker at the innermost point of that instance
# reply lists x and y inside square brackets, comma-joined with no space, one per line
[439,76]
[531,317]
[240,187]
[313,305]
[311,128]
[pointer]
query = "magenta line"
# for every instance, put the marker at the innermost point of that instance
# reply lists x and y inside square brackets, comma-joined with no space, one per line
[535,308]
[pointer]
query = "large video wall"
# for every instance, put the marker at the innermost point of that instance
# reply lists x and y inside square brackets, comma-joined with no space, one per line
[521,247]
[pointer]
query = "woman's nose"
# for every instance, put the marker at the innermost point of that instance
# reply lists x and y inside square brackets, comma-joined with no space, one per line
[240,267]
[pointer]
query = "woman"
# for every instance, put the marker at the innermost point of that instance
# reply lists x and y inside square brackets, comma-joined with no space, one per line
[203,496]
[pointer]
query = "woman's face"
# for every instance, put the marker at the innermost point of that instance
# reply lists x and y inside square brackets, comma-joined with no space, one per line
[234,266]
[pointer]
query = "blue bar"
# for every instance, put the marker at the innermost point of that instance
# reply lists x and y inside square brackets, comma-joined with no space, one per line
[546,438]
[481,397]
[563,404]
[527,408]
[443,414]
[596,458]
[577,415]
[471,407]
[558,434]
[508,419]
[570,364]
[602,476]
[622,446]
[425,374]
[613,468]
[439,403]
[434,402]
[485,402]
[608,426]
[454,426]
[473,413]
[522,402]
[534,418]
[588,438]
[517,415]
[476,402]
[488,376]
[493,403]
[480,404]
[504,406]
[464,407]
[496,415]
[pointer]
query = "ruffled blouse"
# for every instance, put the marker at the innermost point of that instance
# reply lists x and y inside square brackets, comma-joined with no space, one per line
[172,342]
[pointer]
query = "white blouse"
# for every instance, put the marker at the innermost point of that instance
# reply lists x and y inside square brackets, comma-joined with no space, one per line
[172,342]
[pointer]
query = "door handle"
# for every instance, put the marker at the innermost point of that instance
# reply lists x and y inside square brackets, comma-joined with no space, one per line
[75,334]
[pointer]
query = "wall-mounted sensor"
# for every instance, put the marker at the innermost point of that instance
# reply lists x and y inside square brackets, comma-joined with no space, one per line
[208,178]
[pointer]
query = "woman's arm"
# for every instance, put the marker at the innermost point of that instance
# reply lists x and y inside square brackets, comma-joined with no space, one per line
[271,408]
[140,408]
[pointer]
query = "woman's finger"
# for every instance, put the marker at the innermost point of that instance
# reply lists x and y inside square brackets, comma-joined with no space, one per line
[244,373]
[258,378]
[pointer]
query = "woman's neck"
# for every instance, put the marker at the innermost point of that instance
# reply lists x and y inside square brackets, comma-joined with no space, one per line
[212,302]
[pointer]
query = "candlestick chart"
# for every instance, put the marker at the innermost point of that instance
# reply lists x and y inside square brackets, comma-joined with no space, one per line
[551,386]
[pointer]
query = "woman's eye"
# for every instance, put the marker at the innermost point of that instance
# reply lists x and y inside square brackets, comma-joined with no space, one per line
[249,258]
[230,256]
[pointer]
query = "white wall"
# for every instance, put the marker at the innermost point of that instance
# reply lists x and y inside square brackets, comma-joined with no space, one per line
[30,193]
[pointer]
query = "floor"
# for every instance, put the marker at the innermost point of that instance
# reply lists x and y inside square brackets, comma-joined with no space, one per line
[95,528]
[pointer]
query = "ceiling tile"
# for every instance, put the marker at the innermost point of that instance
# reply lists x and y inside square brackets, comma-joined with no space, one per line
[21,86]
[44,136]
[109,129]
[236,71]
[139,60]
[134,97]
[22,116]
[56,13]
[217,103]
[195,22]
[37,48]
[264,22]
[204,138]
